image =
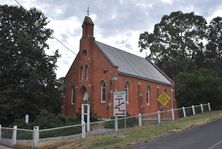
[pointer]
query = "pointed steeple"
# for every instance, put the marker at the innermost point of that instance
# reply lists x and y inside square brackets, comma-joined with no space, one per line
[87,27]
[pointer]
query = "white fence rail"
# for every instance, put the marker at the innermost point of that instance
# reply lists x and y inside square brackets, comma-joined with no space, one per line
[38,138]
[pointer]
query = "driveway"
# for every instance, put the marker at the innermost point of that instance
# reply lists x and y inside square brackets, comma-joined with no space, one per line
[208,136]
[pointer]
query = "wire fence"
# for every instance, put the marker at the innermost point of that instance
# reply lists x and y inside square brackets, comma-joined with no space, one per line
[43,138]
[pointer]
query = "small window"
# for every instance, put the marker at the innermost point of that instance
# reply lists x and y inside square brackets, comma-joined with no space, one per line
[126,88]
[157,92]
[173,94]
[81,73]
[148,95]
[73,95]
[103,91]
[86,72]
[84,52]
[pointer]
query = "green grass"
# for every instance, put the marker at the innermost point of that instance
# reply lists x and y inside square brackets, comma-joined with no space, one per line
[145,133]
[107,141]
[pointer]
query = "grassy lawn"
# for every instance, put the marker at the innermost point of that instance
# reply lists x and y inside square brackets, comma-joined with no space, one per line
[142,134]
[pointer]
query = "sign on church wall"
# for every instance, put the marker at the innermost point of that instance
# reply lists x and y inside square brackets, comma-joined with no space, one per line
[119,104]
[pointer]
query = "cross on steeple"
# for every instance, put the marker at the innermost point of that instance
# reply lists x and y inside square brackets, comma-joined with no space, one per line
[88,11]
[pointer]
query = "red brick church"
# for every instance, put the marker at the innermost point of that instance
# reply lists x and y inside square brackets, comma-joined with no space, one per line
[99,69]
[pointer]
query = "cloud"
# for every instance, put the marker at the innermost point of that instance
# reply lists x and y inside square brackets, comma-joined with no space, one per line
[117,22]
[68,31]
[167,1]
[217,12]
[144,5]
[127,41]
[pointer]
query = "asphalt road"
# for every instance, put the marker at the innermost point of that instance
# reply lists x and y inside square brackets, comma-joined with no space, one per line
[208,136]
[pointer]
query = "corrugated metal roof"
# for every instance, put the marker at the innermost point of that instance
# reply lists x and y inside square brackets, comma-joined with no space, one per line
[132,65]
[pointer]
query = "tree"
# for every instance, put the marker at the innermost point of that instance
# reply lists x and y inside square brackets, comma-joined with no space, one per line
[177,42]
[28,80]
[198,87]
[183,42]
[214,46]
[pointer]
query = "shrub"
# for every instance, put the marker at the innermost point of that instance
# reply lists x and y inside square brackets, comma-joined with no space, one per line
[130,122]
[197,87]
[47,120]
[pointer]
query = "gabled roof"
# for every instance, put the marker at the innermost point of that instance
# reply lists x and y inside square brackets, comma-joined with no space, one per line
[132,65]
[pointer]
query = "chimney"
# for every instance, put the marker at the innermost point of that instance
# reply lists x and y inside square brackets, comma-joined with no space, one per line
[87,27]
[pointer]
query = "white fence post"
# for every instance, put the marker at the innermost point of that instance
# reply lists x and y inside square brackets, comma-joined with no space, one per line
[193,109]
[209,107]
[116,124]
[88,117]
[140,119]
[158,117]
[184,112]
[35,136]
[14,135]
[83,129]
[82,112]
[201,107]
[173,115]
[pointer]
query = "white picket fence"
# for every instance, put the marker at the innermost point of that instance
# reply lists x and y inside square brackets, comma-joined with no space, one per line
[37,138]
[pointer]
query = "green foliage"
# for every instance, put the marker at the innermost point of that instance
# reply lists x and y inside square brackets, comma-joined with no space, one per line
[47,120]
[198,87]
[177,42]
[110,124]
[61,132]
[129,122]
[214,46]
[28,81]
[93,116]
[183,42]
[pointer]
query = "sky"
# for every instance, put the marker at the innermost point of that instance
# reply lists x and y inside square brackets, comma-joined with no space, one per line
[117,22]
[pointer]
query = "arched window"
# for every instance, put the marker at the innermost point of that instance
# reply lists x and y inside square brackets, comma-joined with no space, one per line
[103,91]
[148,95]
[86,96]
[81,73]
[73,95]
[84,52]
[126,88]
[86,72]
[157,92]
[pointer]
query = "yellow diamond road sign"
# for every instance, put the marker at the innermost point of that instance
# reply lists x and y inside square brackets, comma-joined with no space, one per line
[163,99]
